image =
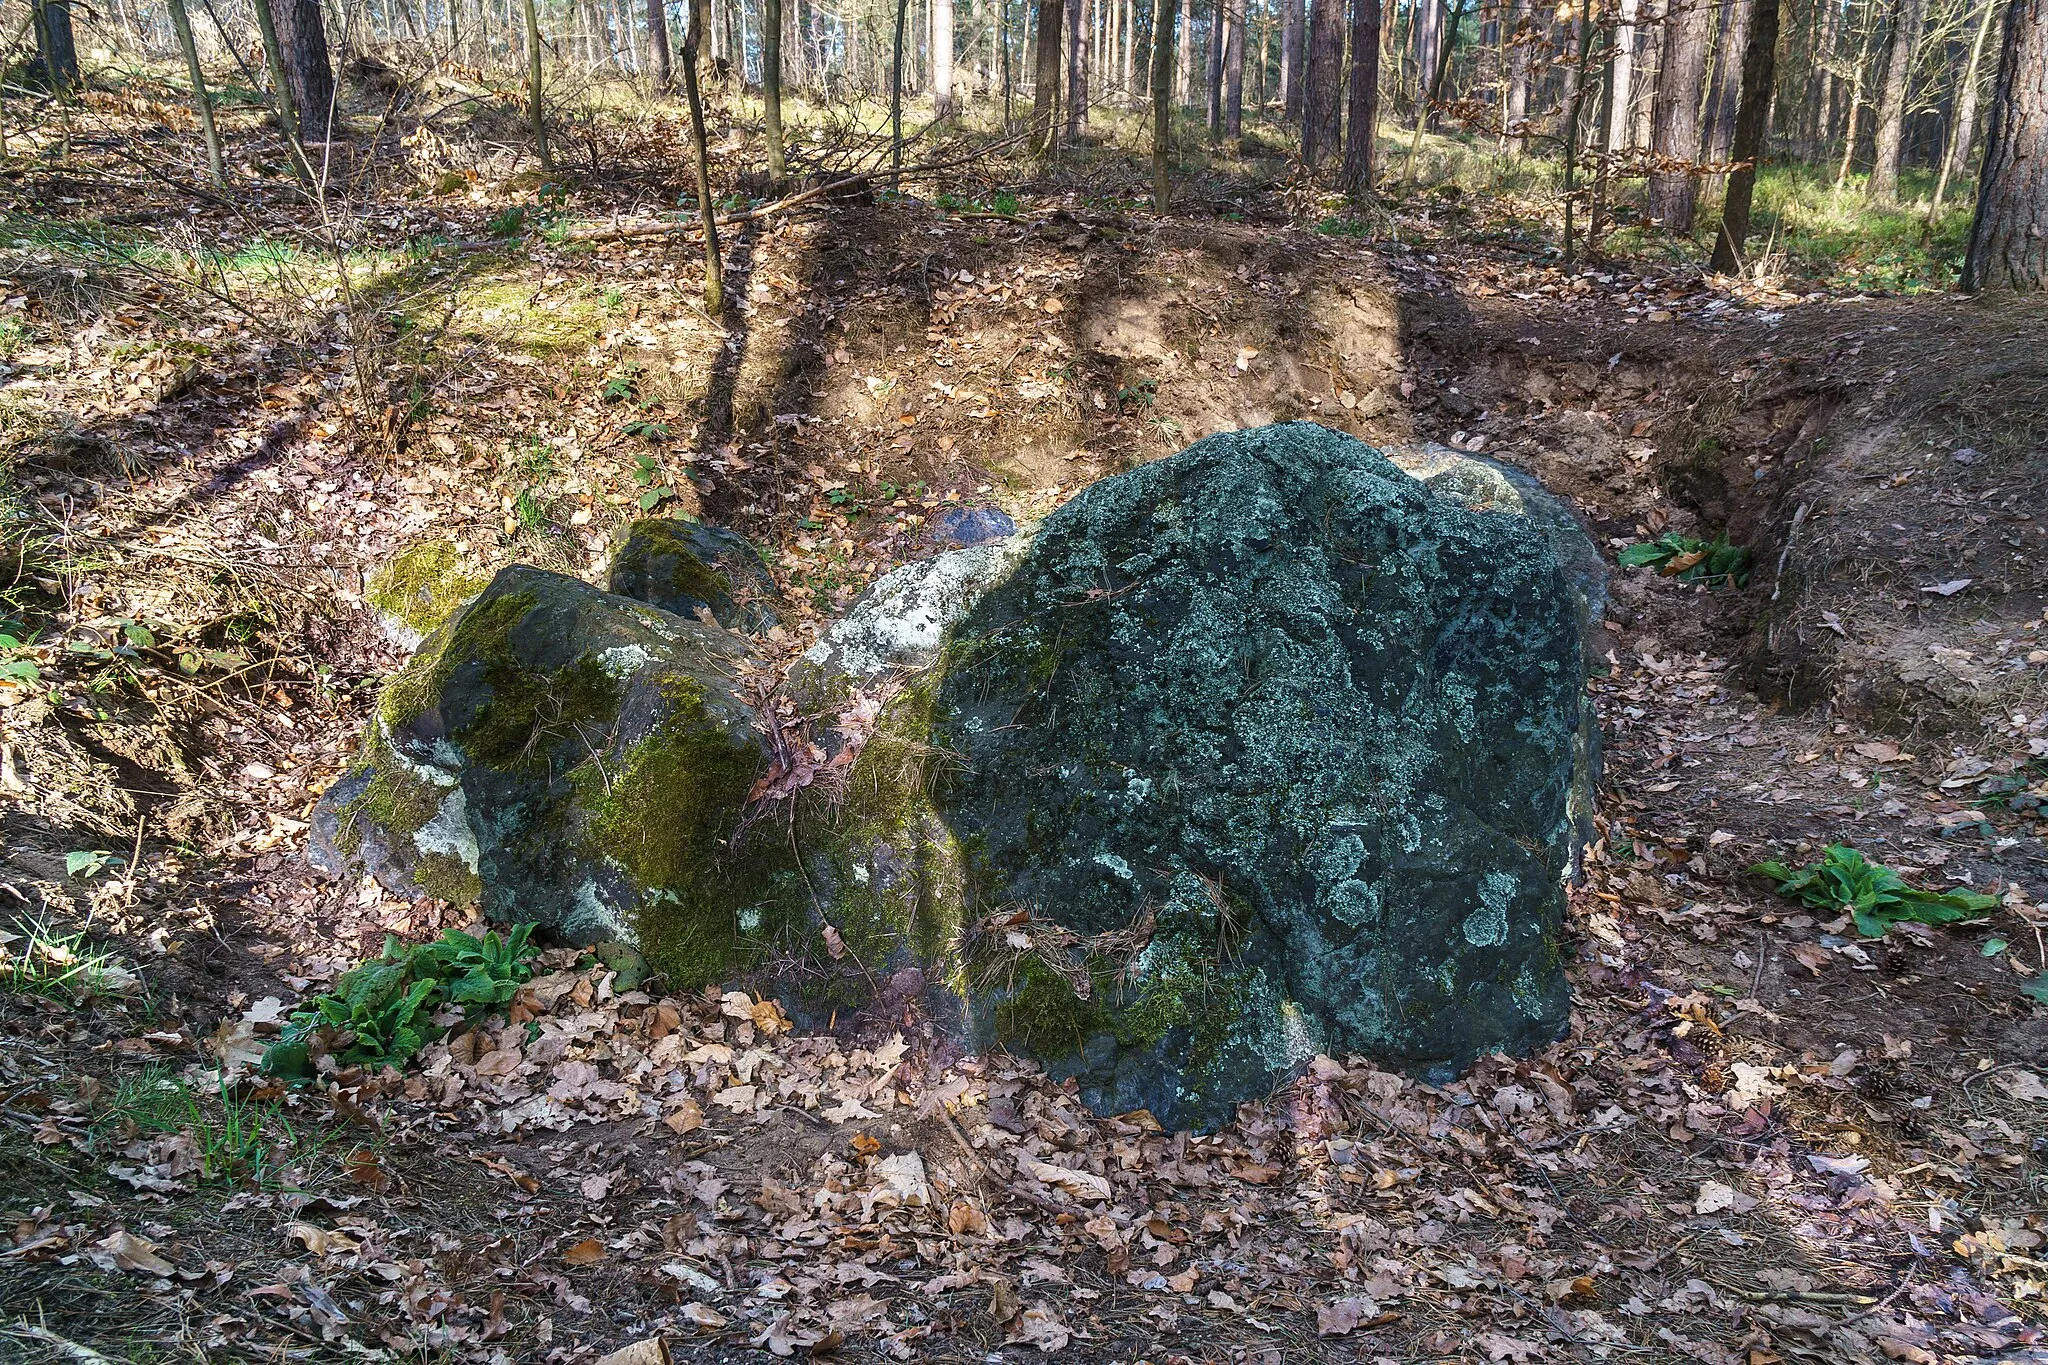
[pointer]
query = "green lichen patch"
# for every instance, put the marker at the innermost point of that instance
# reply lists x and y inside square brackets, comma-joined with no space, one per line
[424,585]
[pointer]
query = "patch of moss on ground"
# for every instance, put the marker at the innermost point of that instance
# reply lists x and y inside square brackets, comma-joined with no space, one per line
[424,585]
[518,314]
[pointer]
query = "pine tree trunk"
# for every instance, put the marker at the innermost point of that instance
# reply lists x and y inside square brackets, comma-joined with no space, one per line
[1891,101]
[1233,69]
[1730,65]
[1077,68]
[1823,110]
[771,87]
[2009,240]
[1363,115]
[1212,83]
[658,60]
[1518,80]
[1045,97]
[896,96]
[56,49]
[1165,13]
[1621,90]
[1957,163]
[302,43]
[1184,58]
[1322,101]
[1291,16]
[1675,130]
[942,57]
[1429,35]
[202,108]
[1759,79]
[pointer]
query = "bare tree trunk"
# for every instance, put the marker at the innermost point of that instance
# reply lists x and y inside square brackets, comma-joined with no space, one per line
[771,86]
[1855,111]
[1184,58]
[1233,68]
[1429,36]
[1212,84]
[694,43]
[1045,97]
[1518,80]
[1957,162]
[1622,84]
[2009,240]
[1003,42]
[942,57]
[1323,100]
[1363,115]
[1759,79]
[1729,65]
[202,108]
[536,113]
[1891,101]
[1165,13]
[1130,54]
[302,42]
[896,97]
[1077,68]
[1675,132]
[658,61]
[1823,111]
[1291,16]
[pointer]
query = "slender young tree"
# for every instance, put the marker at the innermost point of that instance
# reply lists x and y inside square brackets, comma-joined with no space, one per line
[1363,114]
[896,97]
[1517,114]
[1052,17]
[1233,69]
[1165,17]
[1855,110]
[1621,77]
[1752,120]
[1077,68]
[1907,22]
[2009,239]
[659,66]
[536,111]
[771,86]
[1212,84]
[694,43]
[202,107]
[56,49]
[1957,161]
[942,56]
[1322,106]
[1675,130]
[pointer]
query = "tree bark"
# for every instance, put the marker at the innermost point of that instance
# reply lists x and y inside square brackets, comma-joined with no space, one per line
[1045,98]
[1429,38]
[1518,80]
[1212,84]
[1363,115]
[202,108]
[896,97]
[1622,81]
[1291,24]
[659,64]
[1322,108]
[1759,78]
[1891,101]
[694,41]
[1233,68]
[56,49]
[536,112]
[2009,240]
[1165,13]
[1675,130]
[771,86]
[1730,65]
[1957,163]
[1077,68]
[942,57]
[302,43]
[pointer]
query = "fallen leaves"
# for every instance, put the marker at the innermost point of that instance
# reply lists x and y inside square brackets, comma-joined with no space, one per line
[588,1251]
[1083,1185]
[123,1250]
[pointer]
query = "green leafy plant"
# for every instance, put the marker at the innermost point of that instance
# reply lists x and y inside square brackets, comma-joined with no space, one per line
[623,385]
[1874,895]
[1142,394]
[646,430]
[1715,563]
[527,508]
[90,862]
[647,473]
[382,1012]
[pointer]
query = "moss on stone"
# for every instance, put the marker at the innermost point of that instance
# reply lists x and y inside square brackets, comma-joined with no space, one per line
[424,585]
[482,632]
[530,713]
[1038,1010]
[446,877]
[667,819]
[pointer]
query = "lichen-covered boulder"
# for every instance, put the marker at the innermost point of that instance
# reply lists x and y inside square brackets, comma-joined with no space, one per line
[1259,751]
[690,569]
[564,755]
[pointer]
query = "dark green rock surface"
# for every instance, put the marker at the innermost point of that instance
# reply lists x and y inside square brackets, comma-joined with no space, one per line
[1282,746]
[684,567]
[563,755]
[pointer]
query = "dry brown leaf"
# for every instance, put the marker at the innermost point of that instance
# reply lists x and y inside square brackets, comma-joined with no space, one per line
[589,1251]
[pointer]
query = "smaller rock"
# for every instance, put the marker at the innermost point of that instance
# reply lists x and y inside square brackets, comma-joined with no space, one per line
[960,527]
[691,569]
[623,960]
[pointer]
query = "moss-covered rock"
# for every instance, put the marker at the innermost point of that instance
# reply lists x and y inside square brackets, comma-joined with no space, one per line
[687,568]
[564,755]
[420,588]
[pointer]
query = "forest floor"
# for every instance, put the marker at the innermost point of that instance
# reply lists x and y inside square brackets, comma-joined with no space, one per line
[1765,1139]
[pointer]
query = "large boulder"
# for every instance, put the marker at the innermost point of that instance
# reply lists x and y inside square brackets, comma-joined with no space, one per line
[1262,750]
[559,754]
[1259,751]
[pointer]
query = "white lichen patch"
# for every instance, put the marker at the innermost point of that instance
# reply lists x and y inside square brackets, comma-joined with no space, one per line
[1114,864]
[1487,927]
[901,622]
[623,661]
[449,831]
